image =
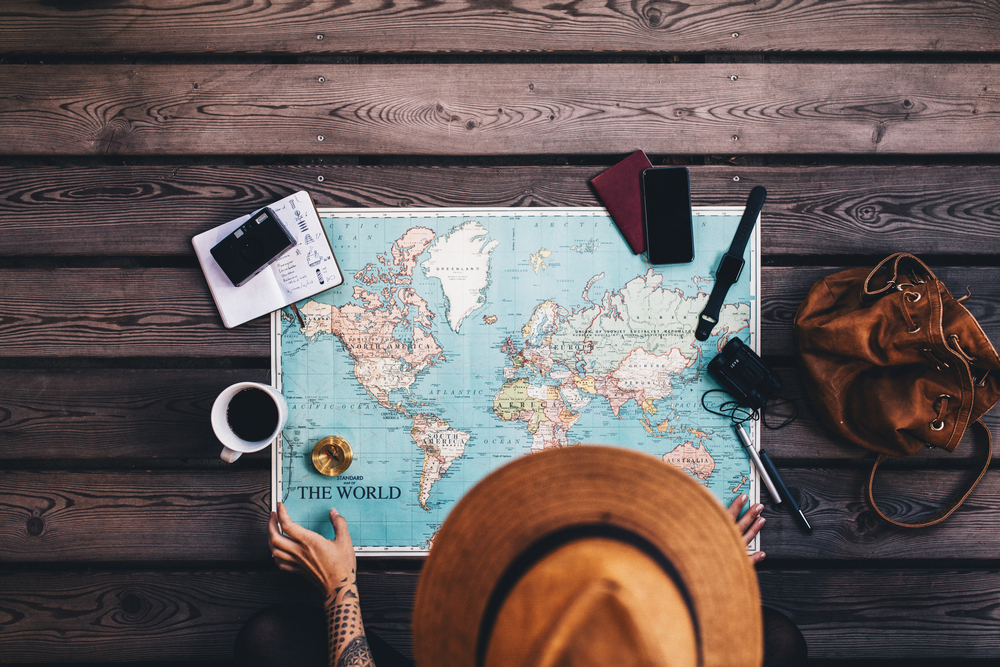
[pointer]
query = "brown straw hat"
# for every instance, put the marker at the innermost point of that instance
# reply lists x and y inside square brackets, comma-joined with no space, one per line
[587,556]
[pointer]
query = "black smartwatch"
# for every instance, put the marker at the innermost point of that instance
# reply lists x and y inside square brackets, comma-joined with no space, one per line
[731,265]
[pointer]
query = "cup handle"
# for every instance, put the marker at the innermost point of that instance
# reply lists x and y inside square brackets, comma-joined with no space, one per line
[229,455]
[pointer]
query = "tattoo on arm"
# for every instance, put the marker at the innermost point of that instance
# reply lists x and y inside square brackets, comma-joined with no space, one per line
[356,654]
[348,645]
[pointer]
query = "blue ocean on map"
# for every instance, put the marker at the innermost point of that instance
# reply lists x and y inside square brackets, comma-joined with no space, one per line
[462,340]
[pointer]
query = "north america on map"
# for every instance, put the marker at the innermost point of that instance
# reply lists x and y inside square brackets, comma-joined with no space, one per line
[462,340]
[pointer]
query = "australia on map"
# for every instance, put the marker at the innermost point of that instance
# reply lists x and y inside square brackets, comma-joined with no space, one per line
[463,339]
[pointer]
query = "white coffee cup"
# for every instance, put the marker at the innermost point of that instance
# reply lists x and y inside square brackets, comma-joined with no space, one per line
[235,446]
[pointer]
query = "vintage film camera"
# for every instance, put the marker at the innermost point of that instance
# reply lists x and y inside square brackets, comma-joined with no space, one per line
[743,374]
[252,246]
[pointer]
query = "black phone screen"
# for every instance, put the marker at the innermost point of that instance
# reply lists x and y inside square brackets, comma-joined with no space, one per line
[666,209]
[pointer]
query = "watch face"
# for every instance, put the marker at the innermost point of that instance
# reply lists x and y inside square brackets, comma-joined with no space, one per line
[729,271]
[332,456]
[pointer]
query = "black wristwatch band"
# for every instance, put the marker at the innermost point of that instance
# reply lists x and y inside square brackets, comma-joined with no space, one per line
[731,265]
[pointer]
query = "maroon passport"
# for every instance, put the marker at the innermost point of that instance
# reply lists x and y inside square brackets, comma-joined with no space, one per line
[620,191]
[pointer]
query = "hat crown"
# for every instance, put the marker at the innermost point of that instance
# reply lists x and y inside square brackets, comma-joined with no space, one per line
[590,603]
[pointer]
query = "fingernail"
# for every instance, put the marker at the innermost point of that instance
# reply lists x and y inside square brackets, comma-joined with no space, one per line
[761,521]
[743,498]
[758,509]
[763,555]
[334,512]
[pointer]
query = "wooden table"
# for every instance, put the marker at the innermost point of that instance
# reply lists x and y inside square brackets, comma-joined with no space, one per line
[127,128]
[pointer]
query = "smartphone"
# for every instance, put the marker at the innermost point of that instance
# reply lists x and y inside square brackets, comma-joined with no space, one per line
[666,211]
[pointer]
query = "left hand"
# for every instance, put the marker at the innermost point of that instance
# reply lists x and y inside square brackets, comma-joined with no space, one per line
[749,525]
[326,563]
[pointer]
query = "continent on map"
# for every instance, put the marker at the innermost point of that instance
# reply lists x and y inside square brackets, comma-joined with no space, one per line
[461,261]
[441,444]
[694,460]
[537,259]
[390,344]
[549,411]
[628,345]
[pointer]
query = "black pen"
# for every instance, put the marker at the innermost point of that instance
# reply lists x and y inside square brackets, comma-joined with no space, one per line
[776,478]
[771,478]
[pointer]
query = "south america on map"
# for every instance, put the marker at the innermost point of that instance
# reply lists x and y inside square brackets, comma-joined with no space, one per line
[463,339]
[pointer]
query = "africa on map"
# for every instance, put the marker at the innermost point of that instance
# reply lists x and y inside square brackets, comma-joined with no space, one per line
[463,339]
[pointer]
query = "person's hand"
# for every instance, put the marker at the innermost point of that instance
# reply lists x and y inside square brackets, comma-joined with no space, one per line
[749,525]
[328,564]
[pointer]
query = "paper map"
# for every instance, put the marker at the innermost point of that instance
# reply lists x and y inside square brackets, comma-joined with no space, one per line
[462,339]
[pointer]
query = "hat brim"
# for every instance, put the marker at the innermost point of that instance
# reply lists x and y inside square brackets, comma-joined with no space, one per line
[540,494]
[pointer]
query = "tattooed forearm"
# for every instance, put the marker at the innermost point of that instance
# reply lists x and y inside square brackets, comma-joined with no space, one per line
[356,654]
[348,646]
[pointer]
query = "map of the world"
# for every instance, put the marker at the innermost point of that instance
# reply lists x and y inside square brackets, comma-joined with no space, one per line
[462,339]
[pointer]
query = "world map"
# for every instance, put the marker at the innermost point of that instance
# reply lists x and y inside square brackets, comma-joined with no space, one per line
[461,340]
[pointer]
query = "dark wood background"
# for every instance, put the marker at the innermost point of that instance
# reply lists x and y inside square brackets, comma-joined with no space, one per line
[127,128]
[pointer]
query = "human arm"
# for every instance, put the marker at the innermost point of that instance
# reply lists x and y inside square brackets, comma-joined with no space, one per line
[331,566]
[749,524]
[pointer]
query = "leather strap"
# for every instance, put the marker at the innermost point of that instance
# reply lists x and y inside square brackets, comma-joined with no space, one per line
[952,505]
[893,283]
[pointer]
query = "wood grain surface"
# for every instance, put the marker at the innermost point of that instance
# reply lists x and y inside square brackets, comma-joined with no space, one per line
[844,528]
[169,312]
[500,109]
[96,414]
[914,615]
[132,616]
[810,209]
[70,517]
[56,516]
[118,313]
[128,616]
[324,26]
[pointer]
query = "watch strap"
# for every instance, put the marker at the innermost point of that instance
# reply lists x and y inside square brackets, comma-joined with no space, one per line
[731,265]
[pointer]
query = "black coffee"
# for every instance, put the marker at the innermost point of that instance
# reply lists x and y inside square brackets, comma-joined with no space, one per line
[252,414]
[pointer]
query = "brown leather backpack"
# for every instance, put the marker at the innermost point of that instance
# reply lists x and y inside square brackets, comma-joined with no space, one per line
[893,362]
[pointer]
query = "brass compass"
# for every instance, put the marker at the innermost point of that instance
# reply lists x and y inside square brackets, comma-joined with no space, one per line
[332,456]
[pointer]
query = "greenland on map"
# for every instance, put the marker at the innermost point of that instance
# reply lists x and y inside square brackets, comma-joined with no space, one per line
[463,339]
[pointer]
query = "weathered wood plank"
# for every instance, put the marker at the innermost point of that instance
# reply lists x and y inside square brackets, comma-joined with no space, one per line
[322,26]
[169,312]
[809,210]
[128,616]
[133,516]
[118,313]
[161,615]
[844,528]
[890,614]
[487,109]
[197,516]
[104,414]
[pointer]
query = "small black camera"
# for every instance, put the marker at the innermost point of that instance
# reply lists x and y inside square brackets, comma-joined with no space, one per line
[252,246]
[743,374]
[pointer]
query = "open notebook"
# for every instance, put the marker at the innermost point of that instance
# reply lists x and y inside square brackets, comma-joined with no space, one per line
[305,270]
